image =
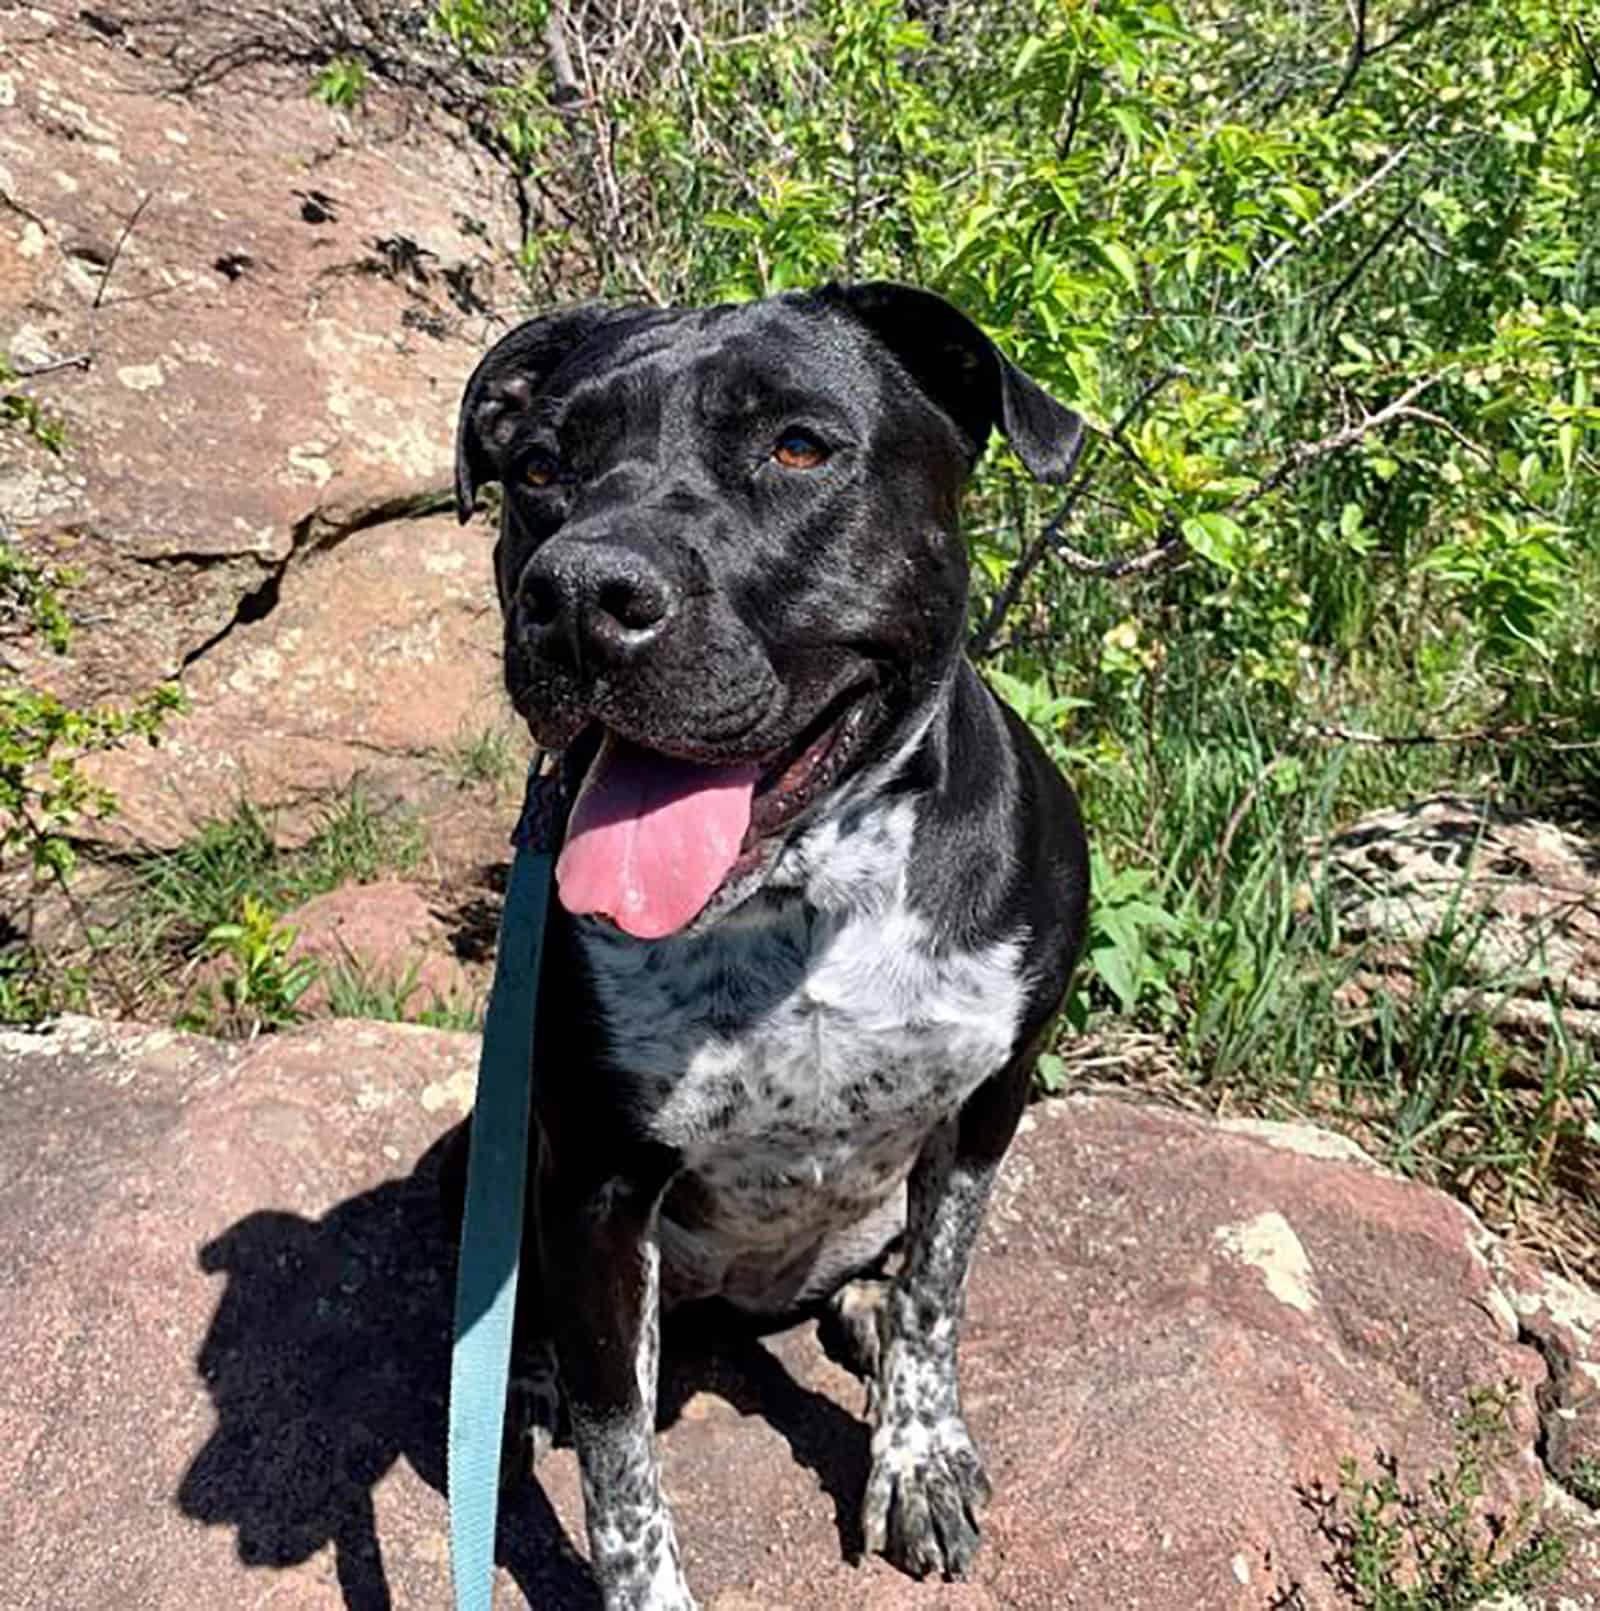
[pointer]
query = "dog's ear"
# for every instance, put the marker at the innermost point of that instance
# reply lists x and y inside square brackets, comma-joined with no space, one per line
[503,384]
[963,371]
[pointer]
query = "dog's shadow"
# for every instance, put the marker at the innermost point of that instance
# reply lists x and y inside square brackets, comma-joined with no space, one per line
[327,1360]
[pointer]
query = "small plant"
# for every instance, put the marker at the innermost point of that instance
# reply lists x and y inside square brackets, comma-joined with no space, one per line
[1139,950]
[481,757]
[341,84]
[24,413]
[43,792]
[263,988]
[1435,1548]
[180,895]
[30,598]
[1050,1074]
[33,988]
[177,900]
[1583,1481]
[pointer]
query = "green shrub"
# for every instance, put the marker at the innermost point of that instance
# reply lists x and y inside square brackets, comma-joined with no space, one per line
[1328,303]
[1436,1547]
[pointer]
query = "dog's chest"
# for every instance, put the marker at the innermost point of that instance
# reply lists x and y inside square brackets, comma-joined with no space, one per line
[798,1054]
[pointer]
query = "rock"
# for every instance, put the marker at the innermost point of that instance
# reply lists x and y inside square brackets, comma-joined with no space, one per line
[226,1288]
[1520,896]
[253,313]
[379,658]
[387,934]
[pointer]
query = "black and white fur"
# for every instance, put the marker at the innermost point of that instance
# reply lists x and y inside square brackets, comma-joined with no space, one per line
[825,1068]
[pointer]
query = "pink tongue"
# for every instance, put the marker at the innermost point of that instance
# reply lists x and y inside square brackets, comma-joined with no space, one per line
[650,838]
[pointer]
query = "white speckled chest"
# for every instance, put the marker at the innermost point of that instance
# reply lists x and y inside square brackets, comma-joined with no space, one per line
[797,1055]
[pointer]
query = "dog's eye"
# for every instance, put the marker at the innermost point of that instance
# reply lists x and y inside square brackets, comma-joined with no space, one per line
[541,471]
[799,450]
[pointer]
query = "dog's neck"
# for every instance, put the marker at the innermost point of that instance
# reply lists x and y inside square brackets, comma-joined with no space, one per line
[853,856]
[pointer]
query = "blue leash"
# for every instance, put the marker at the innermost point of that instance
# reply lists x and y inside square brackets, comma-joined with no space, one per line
[491,1230]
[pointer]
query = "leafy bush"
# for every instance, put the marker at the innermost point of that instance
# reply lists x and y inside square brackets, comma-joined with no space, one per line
[1322,280]
[45,794]
[1327,301]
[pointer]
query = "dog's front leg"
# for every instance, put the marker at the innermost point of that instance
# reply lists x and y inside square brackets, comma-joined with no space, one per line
[602,1265]
[927,1486]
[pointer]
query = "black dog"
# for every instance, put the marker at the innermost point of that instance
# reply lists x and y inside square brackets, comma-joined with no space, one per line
[820,894]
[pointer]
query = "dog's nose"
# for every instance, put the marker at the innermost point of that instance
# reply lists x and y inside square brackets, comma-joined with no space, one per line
[598,601]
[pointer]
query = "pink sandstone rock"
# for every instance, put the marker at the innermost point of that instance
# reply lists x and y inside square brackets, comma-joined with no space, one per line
[225,1286]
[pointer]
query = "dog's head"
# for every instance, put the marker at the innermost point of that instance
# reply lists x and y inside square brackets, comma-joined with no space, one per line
[729,560]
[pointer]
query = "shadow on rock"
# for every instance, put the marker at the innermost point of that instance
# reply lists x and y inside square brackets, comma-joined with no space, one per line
[327,1361]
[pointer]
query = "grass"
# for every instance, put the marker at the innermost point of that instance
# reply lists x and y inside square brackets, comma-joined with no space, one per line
[483,756]
[1247,983]
[356,991]
[184,893]
[173,908]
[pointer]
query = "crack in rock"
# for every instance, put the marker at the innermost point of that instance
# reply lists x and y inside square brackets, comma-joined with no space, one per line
[319,531]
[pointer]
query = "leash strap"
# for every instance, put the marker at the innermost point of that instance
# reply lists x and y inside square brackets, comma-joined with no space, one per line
[491,1230]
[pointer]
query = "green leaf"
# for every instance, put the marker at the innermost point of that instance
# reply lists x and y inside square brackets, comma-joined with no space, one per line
[1216,537]
[1567,447]
[1122,260]
[1117,972]
[1051,1073]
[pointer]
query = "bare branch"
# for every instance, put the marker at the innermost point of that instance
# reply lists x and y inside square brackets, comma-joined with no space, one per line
[1236,821]
[116,251]
[1358,54]
[1303,456]
[1048,539]
[76,360]
[1588,56]
[1343,204]
[1336,733]
[1384,236]
[567,88]
[1413,24]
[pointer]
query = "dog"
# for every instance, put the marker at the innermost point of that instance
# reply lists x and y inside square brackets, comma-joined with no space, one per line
[821,893]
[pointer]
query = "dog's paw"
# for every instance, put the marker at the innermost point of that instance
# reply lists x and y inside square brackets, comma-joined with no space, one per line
[536,1413]
[924,1497]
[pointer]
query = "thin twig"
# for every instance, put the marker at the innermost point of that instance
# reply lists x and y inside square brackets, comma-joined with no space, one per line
[116,251]
[1308,453]
[1358,54]
[1412,24]
[101,954]
[1048,538]
[1473,735]
[1074,111]
[78,360]
[1346,201]
[1236,820]
[1588,56]
[1384,236]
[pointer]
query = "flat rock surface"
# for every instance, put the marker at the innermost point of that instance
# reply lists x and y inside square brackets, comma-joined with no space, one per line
[253,314]
[224,1293]
[379,661]
[389,937]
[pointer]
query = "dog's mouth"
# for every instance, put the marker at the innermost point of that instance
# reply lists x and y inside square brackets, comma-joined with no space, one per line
[653,837]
